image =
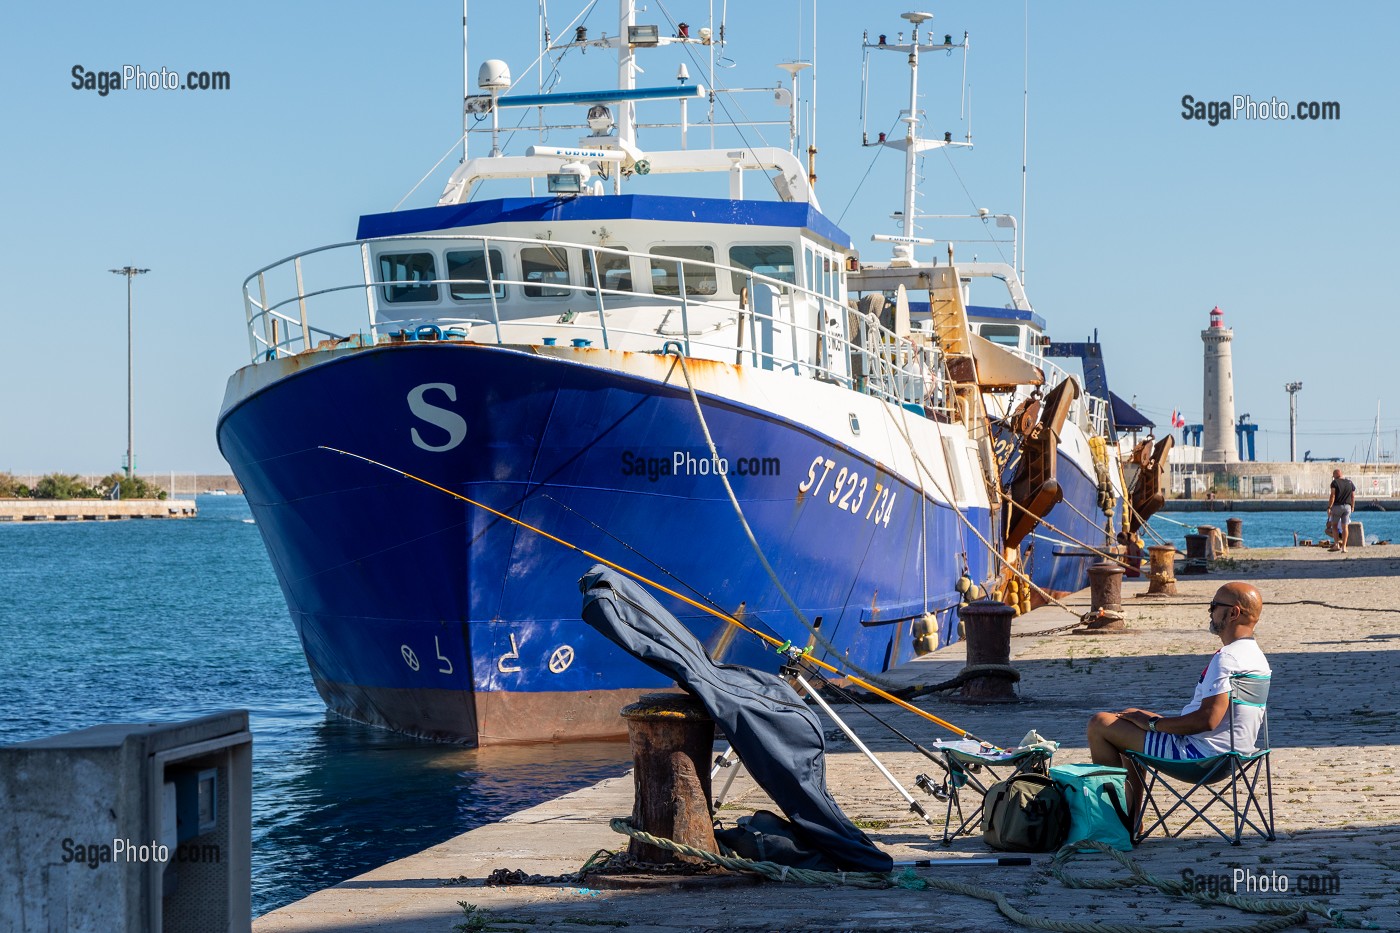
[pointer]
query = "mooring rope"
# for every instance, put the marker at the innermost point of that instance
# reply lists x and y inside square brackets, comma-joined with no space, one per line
[1291,913]
[1012,568]
[771,870]
[817,636]
[1060,531]
[1173,521]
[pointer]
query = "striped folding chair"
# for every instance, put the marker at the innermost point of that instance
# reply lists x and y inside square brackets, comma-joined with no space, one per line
[1230,780]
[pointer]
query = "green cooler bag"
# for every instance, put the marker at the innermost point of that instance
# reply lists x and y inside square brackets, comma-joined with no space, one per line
[1098,803]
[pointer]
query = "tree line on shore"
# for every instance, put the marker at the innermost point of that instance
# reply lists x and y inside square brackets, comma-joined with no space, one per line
[72,486]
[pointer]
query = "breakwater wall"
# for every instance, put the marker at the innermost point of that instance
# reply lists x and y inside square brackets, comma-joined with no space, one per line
[1273,505]
[93,510]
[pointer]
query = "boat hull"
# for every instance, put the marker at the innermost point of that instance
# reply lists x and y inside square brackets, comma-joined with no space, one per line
[429,615]
[1056,554]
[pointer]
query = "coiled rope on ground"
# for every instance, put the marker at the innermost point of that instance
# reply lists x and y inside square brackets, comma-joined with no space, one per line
[1289,912]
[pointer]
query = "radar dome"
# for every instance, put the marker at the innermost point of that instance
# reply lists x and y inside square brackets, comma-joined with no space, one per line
[494,75]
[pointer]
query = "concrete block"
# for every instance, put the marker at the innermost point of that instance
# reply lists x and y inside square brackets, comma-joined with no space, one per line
[84,830]
[1356,535]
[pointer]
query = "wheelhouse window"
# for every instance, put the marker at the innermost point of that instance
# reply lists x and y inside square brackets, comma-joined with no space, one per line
[614,270]
[774,261]
[545,270]
[405,269]
[1008,335]
[467,270]
[665,275]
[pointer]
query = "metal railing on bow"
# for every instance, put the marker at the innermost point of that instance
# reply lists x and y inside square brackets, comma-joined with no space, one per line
[584,296]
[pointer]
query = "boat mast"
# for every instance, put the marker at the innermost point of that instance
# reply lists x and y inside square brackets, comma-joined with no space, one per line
[912,143]
[904,252]
[626,71]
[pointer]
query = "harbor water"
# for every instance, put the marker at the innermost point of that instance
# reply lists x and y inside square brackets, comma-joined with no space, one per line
[150,620]
[1270,529]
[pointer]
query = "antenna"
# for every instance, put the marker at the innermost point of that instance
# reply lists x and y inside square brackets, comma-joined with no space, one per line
[682,76]
[812,104]
[1025,134]
[466,87]
[793,68]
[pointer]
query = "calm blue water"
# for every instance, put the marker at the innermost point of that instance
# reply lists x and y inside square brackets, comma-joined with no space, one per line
[135,620]
[1271,529]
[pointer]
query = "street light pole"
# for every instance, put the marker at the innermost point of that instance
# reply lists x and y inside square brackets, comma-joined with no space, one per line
[130,272]
[1293,388]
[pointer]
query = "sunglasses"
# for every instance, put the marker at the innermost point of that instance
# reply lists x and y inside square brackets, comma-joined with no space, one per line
[1215,605]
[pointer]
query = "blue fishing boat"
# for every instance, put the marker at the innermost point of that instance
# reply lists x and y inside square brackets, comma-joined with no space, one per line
[677,383]
[669,381]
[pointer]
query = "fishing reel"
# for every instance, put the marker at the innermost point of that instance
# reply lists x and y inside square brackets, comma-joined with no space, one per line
[925,783]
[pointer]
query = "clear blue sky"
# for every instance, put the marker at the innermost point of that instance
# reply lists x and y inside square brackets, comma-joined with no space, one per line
[1139,221]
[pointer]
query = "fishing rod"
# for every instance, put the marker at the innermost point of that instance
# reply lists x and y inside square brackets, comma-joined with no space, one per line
[719,614]
[598,527]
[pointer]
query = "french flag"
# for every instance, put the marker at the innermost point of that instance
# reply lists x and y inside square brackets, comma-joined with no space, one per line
[1177,420]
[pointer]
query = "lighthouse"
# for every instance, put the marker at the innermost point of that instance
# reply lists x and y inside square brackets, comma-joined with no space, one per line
[1218,404]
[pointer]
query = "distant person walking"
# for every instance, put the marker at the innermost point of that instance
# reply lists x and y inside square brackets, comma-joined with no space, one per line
[1340,503]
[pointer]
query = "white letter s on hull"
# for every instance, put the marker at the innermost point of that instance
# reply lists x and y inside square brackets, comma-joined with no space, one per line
[451,422]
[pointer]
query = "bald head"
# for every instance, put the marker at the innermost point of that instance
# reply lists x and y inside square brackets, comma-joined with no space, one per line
[1239,608]
[1336,474]
[1243,595]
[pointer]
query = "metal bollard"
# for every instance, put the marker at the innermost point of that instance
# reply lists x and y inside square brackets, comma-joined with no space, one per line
[1105,600]
[1131,556]
[1105,586]
[1216,544]
[1234,532]
[672,741]
[988,623]
[1197,554]
[1161,579]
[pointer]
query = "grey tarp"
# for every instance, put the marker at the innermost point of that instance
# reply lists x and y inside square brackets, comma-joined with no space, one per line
[776,736]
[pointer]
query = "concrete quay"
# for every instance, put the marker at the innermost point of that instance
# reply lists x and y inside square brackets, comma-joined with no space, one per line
[93,510]
[1331,629]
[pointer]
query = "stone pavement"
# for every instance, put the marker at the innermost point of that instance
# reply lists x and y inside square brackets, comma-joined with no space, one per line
[1331,629]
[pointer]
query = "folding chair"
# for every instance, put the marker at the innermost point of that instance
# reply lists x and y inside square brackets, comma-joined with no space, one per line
[973,769]
[1236,772]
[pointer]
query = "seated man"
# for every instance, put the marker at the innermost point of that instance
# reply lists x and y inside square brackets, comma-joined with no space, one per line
[1203,727]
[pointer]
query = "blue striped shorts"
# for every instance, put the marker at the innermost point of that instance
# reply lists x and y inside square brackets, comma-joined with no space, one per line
[1174,747]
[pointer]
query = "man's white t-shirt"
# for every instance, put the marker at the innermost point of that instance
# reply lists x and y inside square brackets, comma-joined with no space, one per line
[1239,657]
